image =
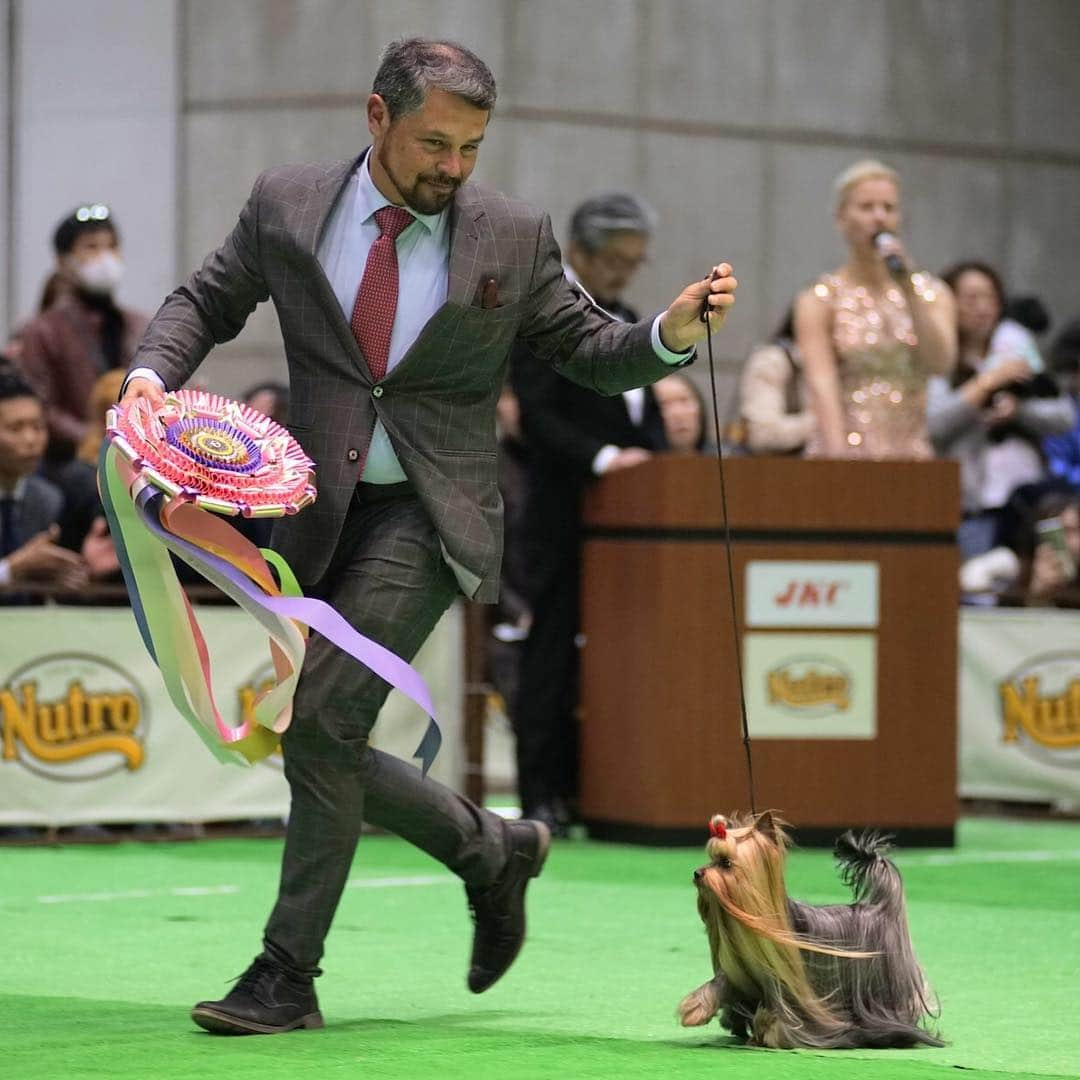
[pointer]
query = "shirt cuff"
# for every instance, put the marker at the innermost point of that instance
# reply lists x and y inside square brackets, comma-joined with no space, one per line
[5,572]
[604,456]
[661,349]
[142,373]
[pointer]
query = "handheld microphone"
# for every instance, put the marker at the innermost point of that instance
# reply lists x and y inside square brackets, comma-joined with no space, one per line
[893,263]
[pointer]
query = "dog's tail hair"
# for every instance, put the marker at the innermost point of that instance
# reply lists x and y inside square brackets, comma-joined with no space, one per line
[865,867]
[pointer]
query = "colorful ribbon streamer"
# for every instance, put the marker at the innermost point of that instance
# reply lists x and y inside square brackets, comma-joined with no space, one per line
[146,524]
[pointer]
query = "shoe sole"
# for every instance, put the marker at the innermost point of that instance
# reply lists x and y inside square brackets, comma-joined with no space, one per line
[221,1023]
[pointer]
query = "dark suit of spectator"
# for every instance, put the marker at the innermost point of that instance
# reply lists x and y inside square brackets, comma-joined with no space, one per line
[565,427]
[572,435]
[30,507]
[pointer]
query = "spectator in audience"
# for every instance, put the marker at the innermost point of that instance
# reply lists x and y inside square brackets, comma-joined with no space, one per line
[682,409]
[573,436]
[1030,312]
[1063,451]
[30,506]
[270,398]
[57,284]
[870,336]
[1053,576]
[84,333]
[772,395]
[77,479]
[993,410]
[1045,568]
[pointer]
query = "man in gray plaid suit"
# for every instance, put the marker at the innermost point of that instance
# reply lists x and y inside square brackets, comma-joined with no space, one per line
[408,513]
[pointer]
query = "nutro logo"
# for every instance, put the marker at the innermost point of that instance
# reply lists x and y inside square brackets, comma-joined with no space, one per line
[1040,708]
[72,717]
[809,593]
[811,686]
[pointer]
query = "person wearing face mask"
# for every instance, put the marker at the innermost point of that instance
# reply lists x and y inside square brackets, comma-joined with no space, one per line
[68,346]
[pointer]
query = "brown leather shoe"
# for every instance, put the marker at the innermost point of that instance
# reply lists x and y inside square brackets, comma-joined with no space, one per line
[499,910]
[266,1000]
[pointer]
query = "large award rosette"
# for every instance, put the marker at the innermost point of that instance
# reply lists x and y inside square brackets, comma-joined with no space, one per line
[170,478]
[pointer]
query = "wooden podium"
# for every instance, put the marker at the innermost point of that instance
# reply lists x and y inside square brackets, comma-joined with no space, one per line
[661,730]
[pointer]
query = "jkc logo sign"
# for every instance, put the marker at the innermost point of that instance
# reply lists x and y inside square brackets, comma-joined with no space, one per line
[71,717]
[801,594]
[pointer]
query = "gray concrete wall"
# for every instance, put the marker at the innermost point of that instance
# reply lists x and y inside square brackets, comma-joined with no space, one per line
[730,116]
[95,118]
[5,158]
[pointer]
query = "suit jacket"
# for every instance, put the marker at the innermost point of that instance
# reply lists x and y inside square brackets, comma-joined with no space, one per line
[565,427]
[438,404]
[39,507]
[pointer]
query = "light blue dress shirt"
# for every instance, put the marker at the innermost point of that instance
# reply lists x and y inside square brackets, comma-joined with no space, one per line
[423,252]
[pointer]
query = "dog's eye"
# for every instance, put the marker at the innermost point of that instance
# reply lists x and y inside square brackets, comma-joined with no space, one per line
[725,863]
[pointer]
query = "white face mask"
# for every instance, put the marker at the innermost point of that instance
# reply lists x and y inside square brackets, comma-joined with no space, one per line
[102,274]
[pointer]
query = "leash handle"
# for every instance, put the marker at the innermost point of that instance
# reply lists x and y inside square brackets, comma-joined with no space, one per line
[705,312]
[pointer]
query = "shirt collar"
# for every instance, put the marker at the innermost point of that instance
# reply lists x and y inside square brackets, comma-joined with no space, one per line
[369,199]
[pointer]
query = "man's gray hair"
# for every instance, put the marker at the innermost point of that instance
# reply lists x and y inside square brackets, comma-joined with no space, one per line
[597,218]
[411,67]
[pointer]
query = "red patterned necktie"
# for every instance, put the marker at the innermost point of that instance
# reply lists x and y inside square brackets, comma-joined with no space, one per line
[376,299]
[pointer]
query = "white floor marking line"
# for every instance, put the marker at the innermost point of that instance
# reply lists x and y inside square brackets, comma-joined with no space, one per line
[395,882]
[226,890]
[139,894]
[956,858]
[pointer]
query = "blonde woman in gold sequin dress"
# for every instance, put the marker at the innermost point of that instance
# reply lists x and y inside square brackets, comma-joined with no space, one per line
[869,340]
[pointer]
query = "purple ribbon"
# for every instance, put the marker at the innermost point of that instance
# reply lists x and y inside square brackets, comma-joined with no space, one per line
[314,613]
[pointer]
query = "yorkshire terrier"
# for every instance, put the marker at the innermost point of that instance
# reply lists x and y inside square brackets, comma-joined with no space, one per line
[790,974]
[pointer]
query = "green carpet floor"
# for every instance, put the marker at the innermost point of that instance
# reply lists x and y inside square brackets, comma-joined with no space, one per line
[106,947]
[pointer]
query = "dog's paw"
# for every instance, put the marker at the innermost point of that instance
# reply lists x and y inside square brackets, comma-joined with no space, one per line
[767,1030]
[699,1006]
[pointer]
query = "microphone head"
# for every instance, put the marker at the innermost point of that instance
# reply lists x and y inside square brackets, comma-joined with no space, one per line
[893,262]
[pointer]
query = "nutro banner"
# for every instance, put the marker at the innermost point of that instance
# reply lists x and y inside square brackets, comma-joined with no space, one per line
[88,733]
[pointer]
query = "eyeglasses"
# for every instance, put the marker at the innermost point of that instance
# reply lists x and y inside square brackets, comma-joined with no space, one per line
[617,263]
[93,212]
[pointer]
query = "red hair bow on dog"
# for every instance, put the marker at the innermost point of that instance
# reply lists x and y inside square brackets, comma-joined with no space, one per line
[718,828]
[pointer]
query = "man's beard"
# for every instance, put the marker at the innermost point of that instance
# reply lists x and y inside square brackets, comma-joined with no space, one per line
[428,195]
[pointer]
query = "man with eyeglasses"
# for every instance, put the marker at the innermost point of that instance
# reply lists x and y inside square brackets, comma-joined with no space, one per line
[572,435]
[84,333]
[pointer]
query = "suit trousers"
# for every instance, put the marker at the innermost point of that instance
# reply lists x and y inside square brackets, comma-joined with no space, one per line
[388,578]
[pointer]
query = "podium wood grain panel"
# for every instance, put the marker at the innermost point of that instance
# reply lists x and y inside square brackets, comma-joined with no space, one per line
[661,731]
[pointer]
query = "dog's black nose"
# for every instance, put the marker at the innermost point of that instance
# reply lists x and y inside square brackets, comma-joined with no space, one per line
[698,875]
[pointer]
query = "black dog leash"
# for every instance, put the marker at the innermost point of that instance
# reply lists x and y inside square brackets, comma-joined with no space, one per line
[727,550]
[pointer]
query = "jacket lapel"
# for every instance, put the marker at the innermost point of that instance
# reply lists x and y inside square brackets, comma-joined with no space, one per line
[466,221]
[310,226]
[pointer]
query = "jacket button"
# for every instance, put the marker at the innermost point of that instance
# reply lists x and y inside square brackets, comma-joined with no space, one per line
[353,455]
[377,392]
